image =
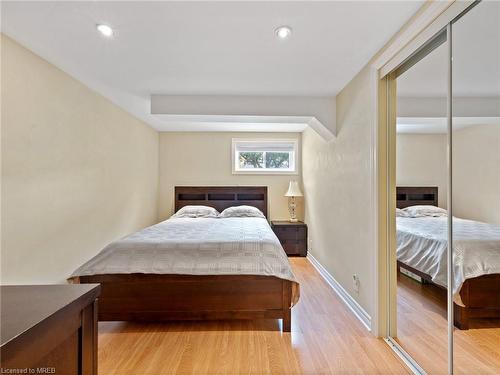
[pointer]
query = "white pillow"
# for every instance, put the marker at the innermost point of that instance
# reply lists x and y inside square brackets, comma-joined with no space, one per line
[242,211]
[401,213]
[425,210]
[196,211]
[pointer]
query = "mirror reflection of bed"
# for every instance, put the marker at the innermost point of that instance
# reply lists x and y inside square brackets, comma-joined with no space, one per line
[422,278]
[421,252]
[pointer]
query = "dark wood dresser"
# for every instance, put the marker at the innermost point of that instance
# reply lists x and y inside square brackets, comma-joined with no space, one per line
[49,329]
[293,237]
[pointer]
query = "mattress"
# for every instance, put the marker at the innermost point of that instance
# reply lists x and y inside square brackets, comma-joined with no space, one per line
[422,244]
[196,246]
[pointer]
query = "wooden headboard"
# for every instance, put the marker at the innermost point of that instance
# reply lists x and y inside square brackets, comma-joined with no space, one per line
[221,197]
[415,195]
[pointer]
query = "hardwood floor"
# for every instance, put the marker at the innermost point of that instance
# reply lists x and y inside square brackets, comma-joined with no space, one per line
[422,331]
[325,339]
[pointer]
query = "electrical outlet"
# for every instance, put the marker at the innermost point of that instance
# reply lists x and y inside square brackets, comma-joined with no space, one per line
[355,283]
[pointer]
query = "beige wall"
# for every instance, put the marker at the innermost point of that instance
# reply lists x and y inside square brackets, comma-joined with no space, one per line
[199,158]
[77,171]
[476,173]
[421,161]
[338,192]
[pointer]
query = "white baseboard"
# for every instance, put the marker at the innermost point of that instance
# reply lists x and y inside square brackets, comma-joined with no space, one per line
[350,302]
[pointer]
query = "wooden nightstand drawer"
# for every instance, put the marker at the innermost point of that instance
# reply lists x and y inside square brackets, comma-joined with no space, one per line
[292,236]
[291,232]
[294,247]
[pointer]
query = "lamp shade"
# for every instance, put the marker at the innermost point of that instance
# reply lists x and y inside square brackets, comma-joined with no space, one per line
[293,190]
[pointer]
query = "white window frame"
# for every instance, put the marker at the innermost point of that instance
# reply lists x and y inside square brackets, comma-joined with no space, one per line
[294,159]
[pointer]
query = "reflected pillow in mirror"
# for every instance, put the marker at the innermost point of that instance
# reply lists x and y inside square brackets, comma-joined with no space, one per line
[425,210]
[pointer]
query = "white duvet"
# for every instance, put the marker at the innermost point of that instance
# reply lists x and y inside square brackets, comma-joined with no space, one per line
[422,244]
[196,246]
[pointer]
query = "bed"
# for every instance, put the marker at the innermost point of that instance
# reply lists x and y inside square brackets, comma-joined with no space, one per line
[197,269]
[421,249]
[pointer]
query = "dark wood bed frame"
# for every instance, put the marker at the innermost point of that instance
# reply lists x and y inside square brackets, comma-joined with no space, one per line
[151,297]
[480,295]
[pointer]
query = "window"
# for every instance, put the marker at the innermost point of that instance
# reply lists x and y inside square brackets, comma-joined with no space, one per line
[264,156]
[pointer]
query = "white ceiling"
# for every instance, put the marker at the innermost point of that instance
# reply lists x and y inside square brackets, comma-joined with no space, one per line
[476,59]
[206,48]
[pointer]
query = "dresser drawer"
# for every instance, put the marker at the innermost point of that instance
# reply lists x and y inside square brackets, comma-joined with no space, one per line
[291,233]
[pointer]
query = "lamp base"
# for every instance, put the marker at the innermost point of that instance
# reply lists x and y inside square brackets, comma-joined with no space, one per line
[291,209]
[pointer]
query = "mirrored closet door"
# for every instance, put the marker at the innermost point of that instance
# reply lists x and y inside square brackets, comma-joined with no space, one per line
[476,189]
[447,225]
[421,179]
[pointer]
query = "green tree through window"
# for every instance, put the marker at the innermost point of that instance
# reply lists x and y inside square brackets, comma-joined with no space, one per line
[277,160]
[266,156]
[251,159]
[272,160]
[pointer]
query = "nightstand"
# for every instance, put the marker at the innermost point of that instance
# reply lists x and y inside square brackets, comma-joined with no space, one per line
[293,237]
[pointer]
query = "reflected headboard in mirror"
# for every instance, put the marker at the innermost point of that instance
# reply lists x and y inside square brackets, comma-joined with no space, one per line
[221,197]
[416,195]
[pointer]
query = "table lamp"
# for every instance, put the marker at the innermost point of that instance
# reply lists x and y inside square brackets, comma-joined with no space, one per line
[293,191]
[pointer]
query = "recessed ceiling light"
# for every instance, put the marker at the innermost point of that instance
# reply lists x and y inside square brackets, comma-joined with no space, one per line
[283,32]
[105,30]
